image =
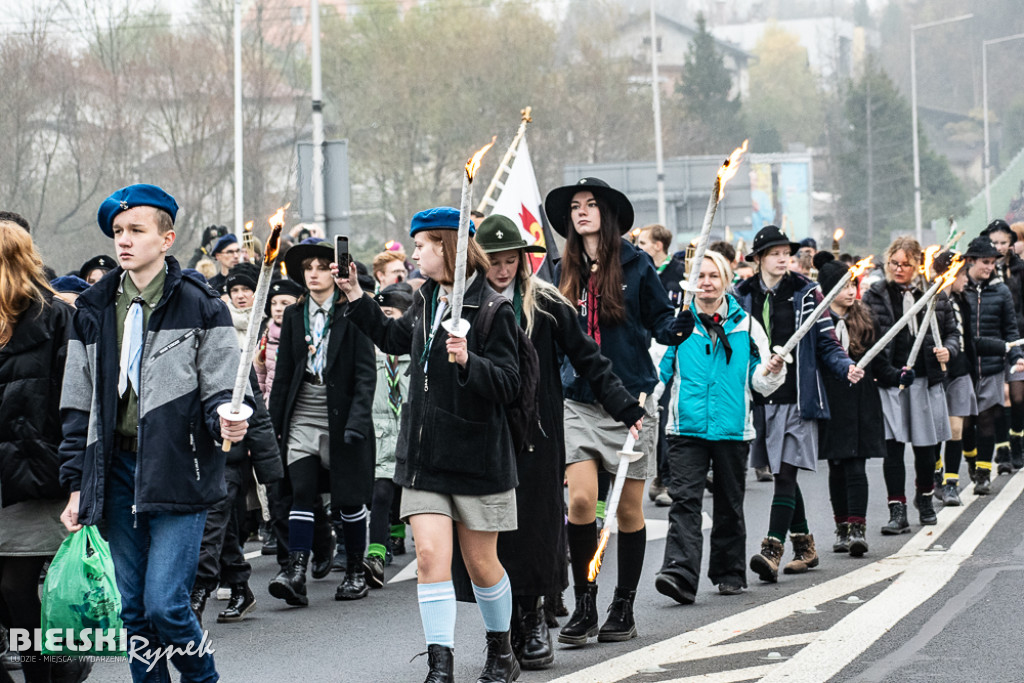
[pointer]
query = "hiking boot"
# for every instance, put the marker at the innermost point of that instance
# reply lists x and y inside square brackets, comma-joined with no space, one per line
[583,622]
[766,563]
[241,601]
[354,586]
[925,509]
[972,467]
[951,495]
[764,473]
[842,542]
[897,523]
[858,542]
[441,661]
[805,555]
[200,594]
[656,489]
[501,665]
[536,650]
[290,585]
[619,625]
[373,567]
[982,483]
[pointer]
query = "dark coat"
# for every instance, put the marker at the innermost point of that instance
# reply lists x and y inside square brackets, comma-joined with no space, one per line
[856,428]
[260,442]
[990,314]
[31,374]
[1012,273]
[878,298]
[350,371]
[966,362]
[819,346]
[648,311]
[454,436]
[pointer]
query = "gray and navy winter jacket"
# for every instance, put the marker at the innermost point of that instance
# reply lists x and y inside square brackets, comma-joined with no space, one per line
[189,360]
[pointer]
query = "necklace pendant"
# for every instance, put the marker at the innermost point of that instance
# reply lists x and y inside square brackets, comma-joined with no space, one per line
[593,268]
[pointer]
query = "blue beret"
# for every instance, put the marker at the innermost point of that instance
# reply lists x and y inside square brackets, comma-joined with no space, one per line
[69,283]
[440,218]
[223,242]
[130,197]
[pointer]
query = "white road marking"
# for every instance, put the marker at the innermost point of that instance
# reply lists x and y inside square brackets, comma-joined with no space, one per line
[752,646]
[751,673]
[253,555]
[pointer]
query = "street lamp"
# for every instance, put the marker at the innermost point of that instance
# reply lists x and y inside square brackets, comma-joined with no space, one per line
[913,109]
[656,104]
[984,105]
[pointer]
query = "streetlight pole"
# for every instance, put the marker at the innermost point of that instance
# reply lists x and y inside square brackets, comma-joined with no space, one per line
[239,176]
[656,103]
[913,109]
[984,114]
[319,214]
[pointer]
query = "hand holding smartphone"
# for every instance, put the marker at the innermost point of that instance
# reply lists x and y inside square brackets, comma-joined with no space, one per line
[341,255]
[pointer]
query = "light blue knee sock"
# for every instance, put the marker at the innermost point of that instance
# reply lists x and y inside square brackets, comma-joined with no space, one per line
[495,604]
[437,611]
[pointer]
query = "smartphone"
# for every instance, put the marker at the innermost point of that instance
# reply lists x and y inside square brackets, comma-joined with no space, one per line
[341,255]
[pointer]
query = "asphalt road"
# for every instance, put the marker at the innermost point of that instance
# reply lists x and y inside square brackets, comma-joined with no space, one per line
[942,604]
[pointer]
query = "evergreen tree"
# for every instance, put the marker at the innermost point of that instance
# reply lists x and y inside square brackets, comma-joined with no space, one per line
[704,92]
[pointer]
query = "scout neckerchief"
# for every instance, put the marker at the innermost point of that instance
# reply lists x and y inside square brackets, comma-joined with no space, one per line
[908,303]
[514,293]
[394,390]
[315,338]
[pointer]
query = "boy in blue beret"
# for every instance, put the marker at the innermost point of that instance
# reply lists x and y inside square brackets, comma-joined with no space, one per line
[144,377]
[228,254]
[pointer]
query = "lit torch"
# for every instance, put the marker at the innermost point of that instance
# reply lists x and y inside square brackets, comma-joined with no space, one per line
[247,243]
[725,174]
[941,283]
[626,456]
[456,325]
[855,271]
[237,410]
[836,236]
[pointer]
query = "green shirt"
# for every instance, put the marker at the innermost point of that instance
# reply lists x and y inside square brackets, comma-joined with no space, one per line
[128,405]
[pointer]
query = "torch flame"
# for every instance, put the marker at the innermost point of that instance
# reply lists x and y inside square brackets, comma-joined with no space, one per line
[929,257]
[730,168]
[284,270]
[273,244]
[248,226]
[278,217]
[949,276]
[861,267]
[595,564]
[474,163]
[838,234]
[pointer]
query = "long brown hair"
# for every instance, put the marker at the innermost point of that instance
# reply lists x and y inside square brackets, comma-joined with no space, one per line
[861,329]
[607,277]
[21,277]
[476,259]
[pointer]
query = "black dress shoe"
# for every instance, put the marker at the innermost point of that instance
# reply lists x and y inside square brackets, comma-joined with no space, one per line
[501,665]
[373,566]
[673,587]
[354,586]
[441,661]
[619,625]
[241,601]
[583,622]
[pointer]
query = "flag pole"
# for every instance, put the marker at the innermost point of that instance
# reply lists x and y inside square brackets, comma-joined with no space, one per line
[503,166]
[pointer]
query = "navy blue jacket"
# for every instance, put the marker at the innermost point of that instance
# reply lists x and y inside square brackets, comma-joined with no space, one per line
[819,344]
[648,311]
[189,360]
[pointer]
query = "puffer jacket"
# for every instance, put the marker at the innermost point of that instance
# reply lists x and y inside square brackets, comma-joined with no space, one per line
[266,358]
[1011,270]
[990,314]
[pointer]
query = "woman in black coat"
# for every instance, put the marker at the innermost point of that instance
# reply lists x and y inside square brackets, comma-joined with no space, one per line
[535,553]
[33,343]
[454,458]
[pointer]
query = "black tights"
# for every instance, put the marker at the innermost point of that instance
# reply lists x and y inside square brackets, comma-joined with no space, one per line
[1017,405]
[380,514]
[895,469]
[19,608]
[848,489]
[985,438]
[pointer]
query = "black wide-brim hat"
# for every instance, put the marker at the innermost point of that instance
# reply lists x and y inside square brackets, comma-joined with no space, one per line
[311,247]
[101,262]
[770,236]
[556,204]
[981,247]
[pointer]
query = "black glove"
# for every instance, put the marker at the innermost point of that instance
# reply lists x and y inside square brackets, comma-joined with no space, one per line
[352,437]
[907,377]
[682,324]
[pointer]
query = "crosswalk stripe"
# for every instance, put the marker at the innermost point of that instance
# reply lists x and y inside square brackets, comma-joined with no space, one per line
[751,673]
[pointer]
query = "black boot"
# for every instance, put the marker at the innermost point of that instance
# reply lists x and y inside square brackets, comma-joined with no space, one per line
[441,661]
[242,600]
[897,523]
[200,593]
[340,561]
[354,586]
[323,557]
[269,546]
[842,542]
[290,585]
[620,624]
[1017,451]
[501,665]
[583,622]
[537,651]
[925,509]
[858,543]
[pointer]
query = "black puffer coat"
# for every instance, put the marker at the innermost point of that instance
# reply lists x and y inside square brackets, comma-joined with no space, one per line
[1012,272]
[31,374]
[879,298]
[990,314]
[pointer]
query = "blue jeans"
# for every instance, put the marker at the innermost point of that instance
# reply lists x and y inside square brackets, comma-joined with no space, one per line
[155,557]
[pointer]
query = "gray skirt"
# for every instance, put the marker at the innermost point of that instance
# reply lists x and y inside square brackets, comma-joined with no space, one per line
[1013,376]
[309,433]
[593,434]
[492,512]
[917,415]
[960,398]
[784,437]
[989,390]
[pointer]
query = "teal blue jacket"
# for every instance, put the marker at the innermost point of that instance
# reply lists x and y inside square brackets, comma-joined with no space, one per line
[711,397]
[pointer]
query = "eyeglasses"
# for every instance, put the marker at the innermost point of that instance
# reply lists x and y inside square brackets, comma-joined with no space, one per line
[900,266]
[231,252]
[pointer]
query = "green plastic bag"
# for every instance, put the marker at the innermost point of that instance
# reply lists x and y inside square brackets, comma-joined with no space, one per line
[81,607]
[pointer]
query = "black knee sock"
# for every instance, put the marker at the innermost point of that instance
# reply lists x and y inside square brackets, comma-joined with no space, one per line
[582,546]
[895,471]
[924,469]
[952,457]
[353,526]
[986,444]
[857,490]
[1003,428]
[631,558]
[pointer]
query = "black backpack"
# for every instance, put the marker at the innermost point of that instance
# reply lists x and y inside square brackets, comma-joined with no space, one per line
[523,413]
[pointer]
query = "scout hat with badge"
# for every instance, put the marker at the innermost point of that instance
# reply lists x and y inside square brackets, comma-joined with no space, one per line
[499,233]
[101,262]
[557,204]
[770,236]
[129,197]
[398,296]
[282,286]
[311,247]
